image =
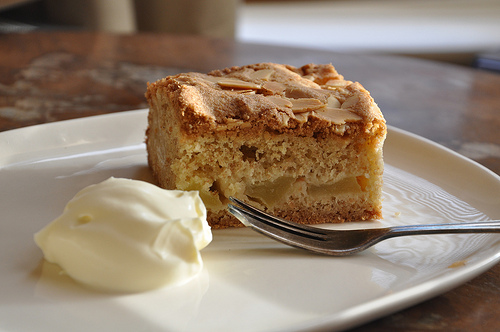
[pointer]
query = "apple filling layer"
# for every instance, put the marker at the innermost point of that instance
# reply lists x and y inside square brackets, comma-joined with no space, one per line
[272,193]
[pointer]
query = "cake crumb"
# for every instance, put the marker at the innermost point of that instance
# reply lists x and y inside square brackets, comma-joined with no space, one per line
[457,264]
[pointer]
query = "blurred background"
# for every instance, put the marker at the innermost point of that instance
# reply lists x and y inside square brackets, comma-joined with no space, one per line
[464,32]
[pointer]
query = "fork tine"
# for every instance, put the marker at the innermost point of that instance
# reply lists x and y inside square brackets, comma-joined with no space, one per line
[273,230]
[280,222]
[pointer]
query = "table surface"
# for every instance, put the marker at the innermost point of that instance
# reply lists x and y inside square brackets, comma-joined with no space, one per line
[52,76]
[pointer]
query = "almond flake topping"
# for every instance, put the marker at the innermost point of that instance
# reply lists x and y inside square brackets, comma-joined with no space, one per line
[337,115]
[302,117]
[244,92]
[336,83]
[233,123]
[333,102]
[213,79]
[282,102]
[262,74]
[274,87]
[350,102]
[305,104]
[228,82]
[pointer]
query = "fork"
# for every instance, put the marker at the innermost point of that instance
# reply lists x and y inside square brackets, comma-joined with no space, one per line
[342,242]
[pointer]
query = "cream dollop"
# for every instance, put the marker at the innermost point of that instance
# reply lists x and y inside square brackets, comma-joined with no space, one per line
[126,235]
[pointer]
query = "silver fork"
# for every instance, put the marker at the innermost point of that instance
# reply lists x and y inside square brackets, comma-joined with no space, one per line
[342,242]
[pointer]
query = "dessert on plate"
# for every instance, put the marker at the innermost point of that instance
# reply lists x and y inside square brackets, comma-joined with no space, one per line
[301,143]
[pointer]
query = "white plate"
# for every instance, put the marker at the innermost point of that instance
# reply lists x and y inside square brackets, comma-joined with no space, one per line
[249,283]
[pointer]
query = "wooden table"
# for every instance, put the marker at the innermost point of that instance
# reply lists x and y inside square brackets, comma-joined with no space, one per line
[52,76]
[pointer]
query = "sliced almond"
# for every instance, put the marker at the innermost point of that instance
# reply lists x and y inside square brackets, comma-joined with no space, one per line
[305,104]
[350,102]
[284,118]
[297,92]
[281,102]
[274,87]
[245,92]
[228,82]
[336,83]
[337,115]
[213,79]
[262,74]
[333,102]
[233,123]
[302,117]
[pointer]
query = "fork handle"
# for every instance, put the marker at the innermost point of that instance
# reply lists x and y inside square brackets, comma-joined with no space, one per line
[490,226]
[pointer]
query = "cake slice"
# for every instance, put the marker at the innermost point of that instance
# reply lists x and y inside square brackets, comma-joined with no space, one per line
[300,143]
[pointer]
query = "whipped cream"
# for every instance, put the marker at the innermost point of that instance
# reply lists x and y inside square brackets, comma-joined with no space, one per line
[126,235]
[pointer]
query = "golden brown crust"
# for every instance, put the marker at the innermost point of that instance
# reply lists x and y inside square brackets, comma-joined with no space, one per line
[204,104]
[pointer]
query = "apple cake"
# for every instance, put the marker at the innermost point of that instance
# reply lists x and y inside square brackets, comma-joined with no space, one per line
[301,143]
